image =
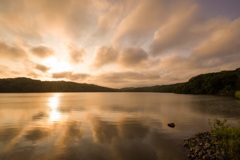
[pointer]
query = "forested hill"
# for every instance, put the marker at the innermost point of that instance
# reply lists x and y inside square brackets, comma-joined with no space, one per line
[219,83]
[21,85]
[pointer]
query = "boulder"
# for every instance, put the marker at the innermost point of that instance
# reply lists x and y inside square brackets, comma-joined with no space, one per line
[172,125]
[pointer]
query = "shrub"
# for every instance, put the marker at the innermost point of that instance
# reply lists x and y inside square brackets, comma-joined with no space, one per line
[226,138]
[237,94]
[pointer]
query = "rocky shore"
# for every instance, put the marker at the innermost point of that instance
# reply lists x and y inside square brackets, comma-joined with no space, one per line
[202,147]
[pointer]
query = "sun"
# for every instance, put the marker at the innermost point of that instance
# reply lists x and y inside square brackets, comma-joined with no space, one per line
[56,65]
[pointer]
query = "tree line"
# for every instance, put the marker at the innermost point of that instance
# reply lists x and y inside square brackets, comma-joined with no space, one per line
[218,83]
[11,85]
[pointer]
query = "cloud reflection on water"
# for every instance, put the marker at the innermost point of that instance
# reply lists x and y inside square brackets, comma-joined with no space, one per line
[36,134]
[7,134]
[129,138]
[74,132]
[84,126]
[103,131]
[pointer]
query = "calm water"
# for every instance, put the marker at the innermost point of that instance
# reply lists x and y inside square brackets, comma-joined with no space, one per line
[105,126]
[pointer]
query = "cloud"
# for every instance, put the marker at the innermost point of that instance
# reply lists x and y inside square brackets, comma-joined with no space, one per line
[28,19]
[132,28]
[12,51]
[79,76]
[19,68]
[3,69]
[222,42]
[76,53]
[42,51]
[70,76]
[14,22]
[61,75]
[79,18]
[127,79]
[113,79]
[220,49]
[178,68]
[174,61]
[125,76]
[176,31]
[145,17]
[109,19]
[143,43]
[104,56]
[132,57]
[41,68]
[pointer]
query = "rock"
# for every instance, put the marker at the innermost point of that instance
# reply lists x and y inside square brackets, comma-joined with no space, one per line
[201,147]
[172,125]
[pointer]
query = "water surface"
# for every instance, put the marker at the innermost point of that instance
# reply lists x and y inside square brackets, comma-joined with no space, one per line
[105,126]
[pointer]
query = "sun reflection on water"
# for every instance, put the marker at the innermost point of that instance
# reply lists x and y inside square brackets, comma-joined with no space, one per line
[53,103]
[54,115]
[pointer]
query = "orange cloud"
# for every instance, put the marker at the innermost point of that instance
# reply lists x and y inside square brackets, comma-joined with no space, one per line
[70,75]
[176,31]
[12,51]
[128,79]
[140,21]
[104,56]
[131,57]
[76,53]
[222,42]
[42,51]
[138,43]
[41,68]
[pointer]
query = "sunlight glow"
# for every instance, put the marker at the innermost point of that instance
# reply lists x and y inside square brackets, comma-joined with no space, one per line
[54,115]
[53,103]
[56,65]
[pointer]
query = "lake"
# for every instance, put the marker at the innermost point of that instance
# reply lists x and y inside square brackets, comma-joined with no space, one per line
[105,126]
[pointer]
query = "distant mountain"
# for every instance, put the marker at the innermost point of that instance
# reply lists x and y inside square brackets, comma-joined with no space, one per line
[21,85]
[218,83]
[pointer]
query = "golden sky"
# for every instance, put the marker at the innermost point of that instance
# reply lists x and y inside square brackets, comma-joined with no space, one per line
[118,43]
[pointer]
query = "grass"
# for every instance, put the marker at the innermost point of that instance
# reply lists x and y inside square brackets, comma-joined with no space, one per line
[226,138]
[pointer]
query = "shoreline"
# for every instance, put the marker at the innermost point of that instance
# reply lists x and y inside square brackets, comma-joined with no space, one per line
[222,142]
[201,146]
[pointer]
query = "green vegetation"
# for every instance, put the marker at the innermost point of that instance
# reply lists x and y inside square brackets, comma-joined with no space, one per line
[22,85]
[237,94]
[219,83]
[226,138]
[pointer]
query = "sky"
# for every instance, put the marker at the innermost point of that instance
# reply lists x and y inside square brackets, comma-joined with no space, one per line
[118,43]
